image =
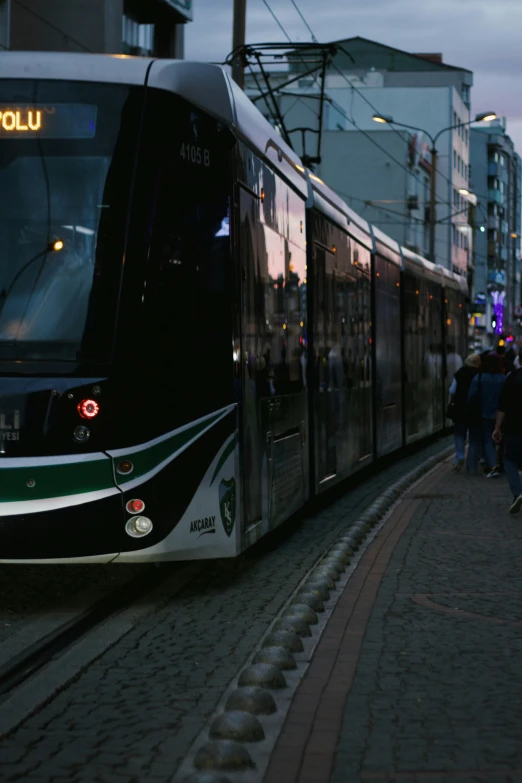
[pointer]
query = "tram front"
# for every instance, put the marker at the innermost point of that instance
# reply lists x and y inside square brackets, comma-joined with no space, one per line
[92,411]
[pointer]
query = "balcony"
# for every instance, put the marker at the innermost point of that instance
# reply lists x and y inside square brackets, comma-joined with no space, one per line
[492,169]
[495,196]
[493,221]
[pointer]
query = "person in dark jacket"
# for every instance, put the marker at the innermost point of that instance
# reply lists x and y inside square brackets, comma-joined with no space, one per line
[483,395]
[508,427]
[509,361]
[459,394]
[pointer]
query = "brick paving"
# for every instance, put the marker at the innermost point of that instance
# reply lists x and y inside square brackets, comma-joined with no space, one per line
[133,714]
[418,675]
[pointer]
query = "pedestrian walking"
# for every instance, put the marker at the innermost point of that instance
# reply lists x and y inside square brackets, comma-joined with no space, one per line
[508,427]
[458,406]
[509,365]
[483,399]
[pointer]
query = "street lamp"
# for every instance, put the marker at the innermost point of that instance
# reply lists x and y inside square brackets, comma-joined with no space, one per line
[387,120]
[469,196]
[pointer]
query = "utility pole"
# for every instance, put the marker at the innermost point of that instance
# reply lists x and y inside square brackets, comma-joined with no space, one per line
[238,67]
[433,202]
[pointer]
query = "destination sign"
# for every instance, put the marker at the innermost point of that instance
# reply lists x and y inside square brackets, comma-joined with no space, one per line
[50,121]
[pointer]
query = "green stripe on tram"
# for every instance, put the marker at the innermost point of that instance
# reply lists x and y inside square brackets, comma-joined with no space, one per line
[146,460]
[42,481]
[53,481]
[229,448]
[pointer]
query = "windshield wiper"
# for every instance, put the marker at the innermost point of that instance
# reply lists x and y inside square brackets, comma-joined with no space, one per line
[52,247]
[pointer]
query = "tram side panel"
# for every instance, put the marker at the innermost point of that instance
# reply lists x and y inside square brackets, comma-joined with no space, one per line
[340,373]
[176,331]
[387,331]
[274,424]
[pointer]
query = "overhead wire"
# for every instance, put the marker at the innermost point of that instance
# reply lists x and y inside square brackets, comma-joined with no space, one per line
[360,93]
[360,130]
[399,133]
[278,22]
[314,76]
[348,197]
[343,113]
[314,39]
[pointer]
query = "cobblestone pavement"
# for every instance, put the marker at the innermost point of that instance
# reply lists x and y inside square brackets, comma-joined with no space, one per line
[424,650]
[133,714]
[31,590]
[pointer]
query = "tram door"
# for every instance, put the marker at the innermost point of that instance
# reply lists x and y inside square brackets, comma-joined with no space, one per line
[327,394]
[251,309]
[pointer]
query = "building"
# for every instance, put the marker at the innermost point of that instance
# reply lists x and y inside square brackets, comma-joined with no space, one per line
[496,180]
[419,91]
[140,27]
[387,168]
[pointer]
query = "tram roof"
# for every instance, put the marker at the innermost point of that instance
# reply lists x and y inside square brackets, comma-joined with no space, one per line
[207,86]
[386,246]
[325,200]
[424,268]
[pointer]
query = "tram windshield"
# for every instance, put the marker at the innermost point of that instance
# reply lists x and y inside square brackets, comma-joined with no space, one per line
[66,152]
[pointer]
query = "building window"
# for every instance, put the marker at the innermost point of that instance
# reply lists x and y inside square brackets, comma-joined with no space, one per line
[454,159]
[138,39]
[502,160]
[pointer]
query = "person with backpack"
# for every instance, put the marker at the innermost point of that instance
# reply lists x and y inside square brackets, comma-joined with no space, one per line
[508,426]
[457,408]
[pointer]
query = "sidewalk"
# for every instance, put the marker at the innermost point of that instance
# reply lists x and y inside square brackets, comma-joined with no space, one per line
[418,675]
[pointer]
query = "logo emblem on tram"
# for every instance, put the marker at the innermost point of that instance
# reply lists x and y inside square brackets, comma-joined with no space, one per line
[227,504]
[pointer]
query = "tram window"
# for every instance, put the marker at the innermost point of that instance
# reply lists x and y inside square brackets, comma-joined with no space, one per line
[281,314]
[69,182]
[187,328]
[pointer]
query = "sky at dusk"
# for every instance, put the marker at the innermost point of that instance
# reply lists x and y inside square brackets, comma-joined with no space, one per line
[479,35]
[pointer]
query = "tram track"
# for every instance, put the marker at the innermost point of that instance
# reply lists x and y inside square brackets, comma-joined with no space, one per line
[117,612]
[32,674]
[37,655]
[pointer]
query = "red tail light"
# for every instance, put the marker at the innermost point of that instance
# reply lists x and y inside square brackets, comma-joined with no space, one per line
[88,409]
[135,506]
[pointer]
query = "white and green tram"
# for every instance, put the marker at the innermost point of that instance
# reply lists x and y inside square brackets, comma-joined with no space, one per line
[196,334]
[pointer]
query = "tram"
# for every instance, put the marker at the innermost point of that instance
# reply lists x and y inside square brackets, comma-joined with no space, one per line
[196,334]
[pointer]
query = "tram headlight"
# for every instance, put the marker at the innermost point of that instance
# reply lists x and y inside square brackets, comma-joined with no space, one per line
[137,527]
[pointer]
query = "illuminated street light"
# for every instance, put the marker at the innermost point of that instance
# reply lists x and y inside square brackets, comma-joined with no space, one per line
[382,118]
[388,120]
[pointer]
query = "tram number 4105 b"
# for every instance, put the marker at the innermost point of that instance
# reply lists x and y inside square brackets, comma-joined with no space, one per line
[192,154]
